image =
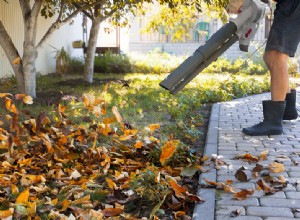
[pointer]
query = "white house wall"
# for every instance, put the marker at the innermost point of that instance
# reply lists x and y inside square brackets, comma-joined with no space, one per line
[11,17]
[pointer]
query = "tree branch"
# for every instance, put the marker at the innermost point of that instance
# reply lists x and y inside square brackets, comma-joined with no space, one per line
[58,23]
[25,8]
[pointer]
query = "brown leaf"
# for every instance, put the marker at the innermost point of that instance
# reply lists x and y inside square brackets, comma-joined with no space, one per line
[243,194]
[235,213]
[193,198]
[180,191]
[241,175]
[248,157]
[258,168]
[228,188]
[276,167]
[117,114]
[263,155]
[110,212]
[20,96]
[265,187]
[211,182]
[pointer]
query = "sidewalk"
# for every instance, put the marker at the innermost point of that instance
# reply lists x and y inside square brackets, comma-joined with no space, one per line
[225,139]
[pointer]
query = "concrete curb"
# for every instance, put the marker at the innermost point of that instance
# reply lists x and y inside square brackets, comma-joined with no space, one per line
[206,210]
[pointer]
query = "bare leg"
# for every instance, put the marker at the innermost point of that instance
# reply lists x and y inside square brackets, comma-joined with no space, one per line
[278,65]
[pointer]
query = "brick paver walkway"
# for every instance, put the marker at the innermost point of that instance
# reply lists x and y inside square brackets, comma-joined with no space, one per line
[226,140]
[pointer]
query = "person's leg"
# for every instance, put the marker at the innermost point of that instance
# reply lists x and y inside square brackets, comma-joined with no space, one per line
[282,42]
[277,63]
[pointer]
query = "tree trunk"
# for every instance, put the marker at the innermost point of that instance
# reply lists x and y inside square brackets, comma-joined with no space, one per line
[90,52]
[28,64]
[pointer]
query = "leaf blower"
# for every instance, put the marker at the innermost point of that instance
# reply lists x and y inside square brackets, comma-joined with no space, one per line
[242,28]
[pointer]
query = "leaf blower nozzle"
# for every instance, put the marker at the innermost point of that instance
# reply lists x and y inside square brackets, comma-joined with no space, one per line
[242,29]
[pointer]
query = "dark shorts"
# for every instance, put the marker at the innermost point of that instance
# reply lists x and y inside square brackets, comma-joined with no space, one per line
[285,31]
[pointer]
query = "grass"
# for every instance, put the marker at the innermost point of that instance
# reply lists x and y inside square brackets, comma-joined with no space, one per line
[141,101]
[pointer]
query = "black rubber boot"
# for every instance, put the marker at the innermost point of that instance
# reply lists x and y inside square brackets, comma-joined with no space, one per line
[272,123]
[290,112]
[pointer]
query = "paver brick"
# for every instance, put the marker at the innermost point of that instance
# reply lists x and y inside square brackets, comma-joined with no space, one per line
[287,203]
[226,217]
[293,195]
[246,202]
[279,218]
[294,174]
[227,210]
[269,211]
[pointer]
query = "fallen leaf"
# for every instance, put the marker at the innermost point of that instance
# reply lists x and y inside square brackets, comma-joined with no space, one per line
[154,127]
[190,170]
[263,155]
[243,194]
[23,197]
[168,150]
[235,213]
[117,114]
[179,190]
[241,175]
[265,187]
[248,157]
[111,212]
[276,167]
[111,184]
[5,213]
[258,168]
[212,182]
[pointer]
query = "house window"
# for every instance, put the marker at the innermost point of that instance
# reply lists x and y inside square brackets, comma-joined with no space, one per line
[202,31]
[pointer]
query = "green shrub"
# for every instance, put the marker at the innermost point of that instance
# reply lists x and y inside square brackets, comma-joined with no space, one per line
[155,62]
[112,63]
[76,65]
[244,66]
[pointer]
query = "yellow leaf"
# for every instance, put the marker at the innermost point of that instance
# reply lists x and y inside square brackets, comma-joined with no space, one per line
[276,167]
[154,126]
[168,150]
[88,99]
[14,189]
[263,155]
[28,100]
[117,114]
[23,197]
[65,204]
[31,209]
[5,213]
[25,162]
[111,183]
[138,145]
[85,199]
[5,94]
[16,61]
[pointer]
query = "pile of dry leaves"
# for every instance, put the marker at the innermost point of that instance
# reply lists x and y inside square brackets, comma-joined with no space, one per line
[84,162]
